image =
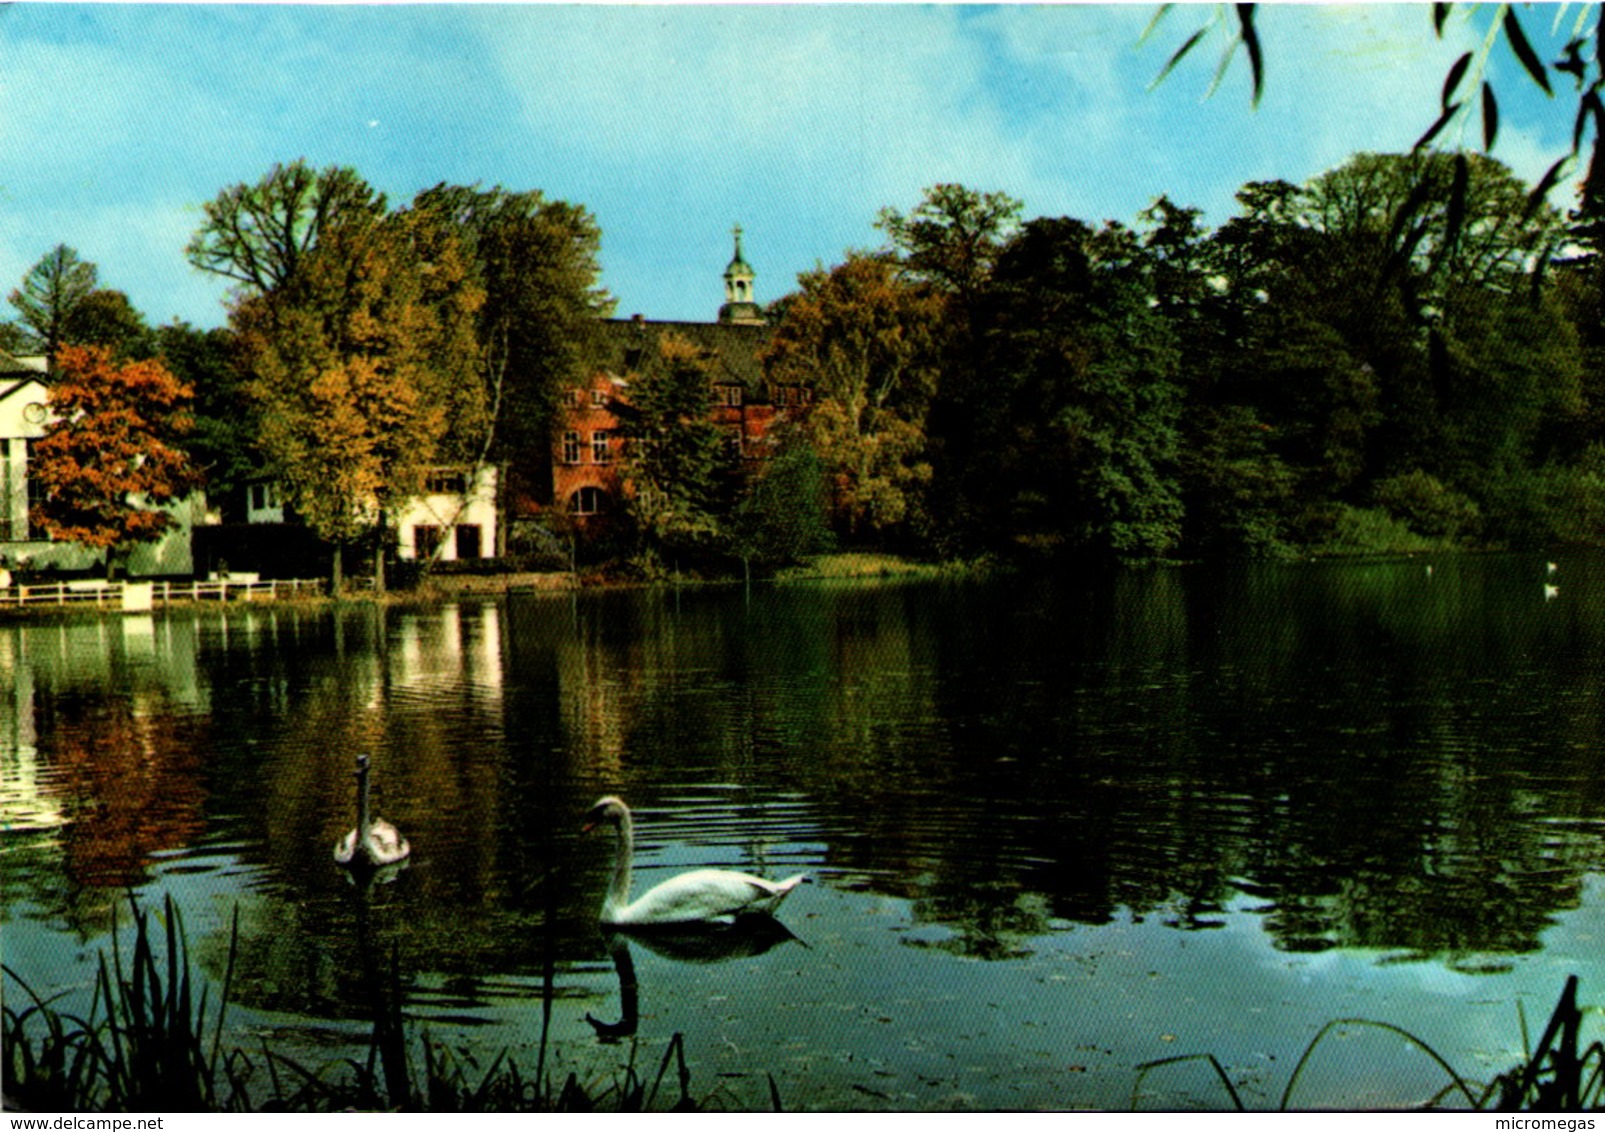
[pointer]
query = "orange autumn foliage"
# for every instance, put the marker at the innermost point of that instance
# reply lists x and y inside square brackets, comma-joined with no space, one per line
[110,456]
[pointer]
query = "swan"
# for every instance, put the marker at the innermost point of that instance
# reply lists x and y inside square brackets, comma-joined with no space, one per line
[717,895]
[374,842]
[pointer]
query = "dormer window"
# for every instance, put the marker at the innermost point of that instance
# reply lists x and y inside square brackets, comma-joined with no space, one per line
[730,396]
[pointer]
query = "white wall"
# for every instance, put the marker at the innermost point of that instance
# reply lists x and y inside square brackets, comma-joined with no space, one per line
[448,512]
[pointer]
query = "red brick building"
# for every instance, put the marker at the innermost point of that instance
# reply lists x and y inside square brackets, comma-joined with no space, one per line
[588,449]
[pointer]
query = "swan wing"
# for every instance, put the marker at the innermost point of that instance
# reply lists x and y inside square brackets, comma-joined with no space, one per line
[346,848]
[385,843]
[704,894]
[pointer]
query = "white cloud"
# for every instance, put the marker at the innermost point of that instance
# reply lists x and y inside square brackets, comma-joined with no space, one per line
[672,123]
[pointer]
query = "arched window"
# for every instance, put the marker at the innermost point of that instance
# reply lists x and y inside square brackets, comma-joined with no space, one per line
[587,501]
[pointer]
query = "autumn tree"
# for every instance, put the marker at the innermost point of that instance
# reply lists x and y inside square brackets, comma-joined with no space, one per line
[112,456]
[869,344]
[360,364]
[50,294]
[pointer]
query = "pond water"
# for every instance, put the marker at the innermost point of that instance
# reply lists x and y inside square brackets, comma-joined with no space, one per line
[1056,828]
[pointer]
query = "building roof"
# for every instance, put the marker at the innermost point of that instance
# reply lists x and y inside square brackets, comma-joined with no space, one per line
[626,345]
[11,364]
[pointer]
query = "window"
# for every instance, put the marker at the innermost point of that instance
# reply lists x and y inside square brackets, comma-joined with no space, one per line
[601,447]
[730,395]
[571,448]
[264,495]
[468,541]
[599,398]
[576,398]
[426,540]
[445,483]
[587,501]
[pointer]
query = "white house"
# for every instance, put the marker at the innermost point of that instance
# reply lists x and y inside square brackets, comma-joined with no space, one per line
[24,412]
[455,518]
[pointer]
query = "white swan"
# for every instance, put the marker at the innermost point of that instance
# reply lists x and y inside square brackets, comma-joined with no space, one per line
[701,895]
[374,842]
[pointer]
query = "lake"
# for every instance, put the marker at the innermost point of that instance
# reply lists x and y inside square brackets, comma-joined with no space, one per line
[1056,828]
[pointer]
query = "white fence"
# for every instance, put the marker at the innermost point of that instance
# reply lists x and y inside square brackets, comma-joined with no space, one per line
[142,595]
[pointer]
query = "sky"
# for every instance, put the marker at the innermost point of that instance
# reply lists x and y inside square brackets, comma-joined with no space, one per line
[672,123]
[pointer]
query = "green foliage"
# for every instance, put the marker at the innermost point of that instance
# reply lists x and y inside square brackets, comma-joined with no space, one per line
[257,235]
[51,292]
[1428,507]
[107,318]
[1087,401]
[535,261]
[681,464]
[953,237]
[223,442]
[1342,529]
[1238,494]
[781,517]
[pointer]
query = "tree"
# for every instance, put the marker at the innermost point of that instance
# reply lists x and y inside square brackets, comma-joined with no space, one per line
[1468,91]
[681,464]
[361,362]
[257,235]
[107,318]
[869,344]
[51,292]
[535,260]
[112,456]
[1084,427]
[950,242]
[223,441]
[781,516]
[953,237]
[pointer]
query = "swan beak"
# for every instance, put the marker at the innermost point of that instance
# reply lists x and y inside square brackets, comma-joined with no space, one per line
[587,827]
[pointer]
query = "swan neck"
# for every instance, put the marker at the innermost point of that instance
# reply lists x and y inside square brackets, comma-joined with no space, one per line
[618,892]
[362,803]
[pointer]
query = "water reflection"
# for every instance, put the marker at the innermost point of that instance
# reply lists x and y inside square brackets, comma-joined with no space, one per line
[744,937]
[1353,757]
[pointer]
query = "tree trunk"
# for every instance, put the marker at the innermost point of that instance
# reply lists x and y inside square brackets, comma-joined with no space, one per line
[337,571]
[379,556]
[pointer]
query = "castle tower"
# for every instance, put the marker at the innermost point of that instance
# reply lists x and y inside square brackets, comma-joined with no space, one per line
[739,307]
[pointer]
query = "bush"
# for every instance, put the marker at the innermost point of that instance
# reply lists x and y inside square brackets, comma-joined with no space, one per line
[1341,529]
[1429,506]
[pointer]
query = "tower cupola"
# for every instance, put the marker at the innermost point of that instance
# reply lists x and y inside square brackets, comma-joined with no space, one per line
[739,306]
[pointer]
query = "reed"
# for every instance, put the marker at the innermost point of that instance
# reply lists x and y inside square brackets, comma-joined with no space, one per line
[143,1046]
[153,1041]
[1557,1075]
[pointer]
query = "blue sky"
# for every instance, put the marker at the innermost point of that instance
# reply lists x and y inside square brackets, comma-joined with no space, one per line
[671,123]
